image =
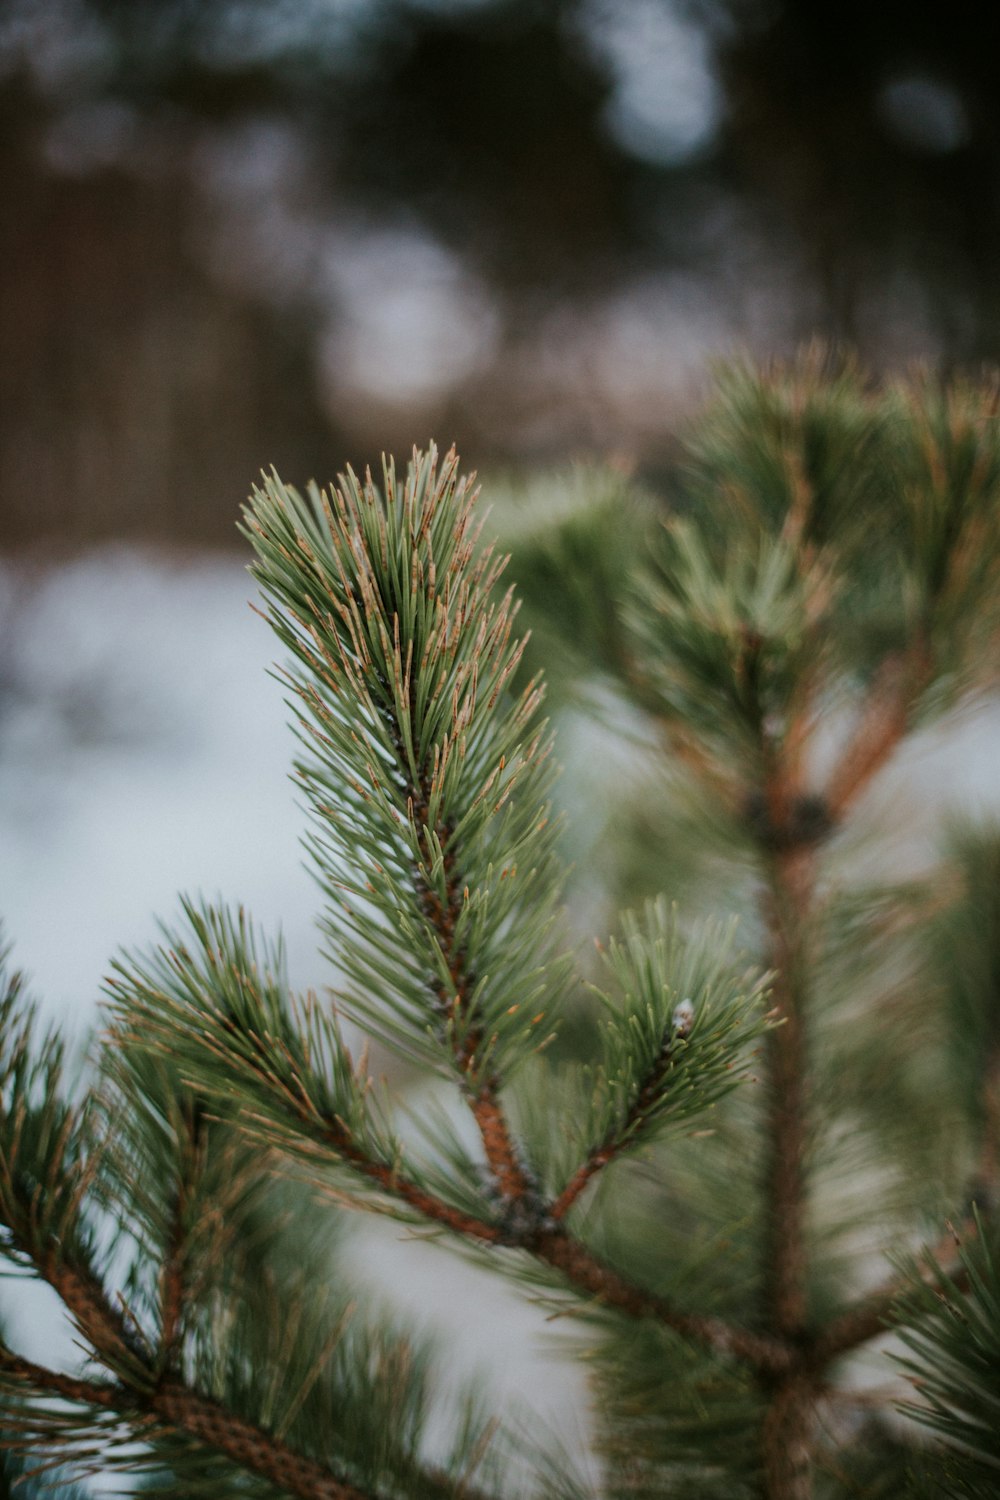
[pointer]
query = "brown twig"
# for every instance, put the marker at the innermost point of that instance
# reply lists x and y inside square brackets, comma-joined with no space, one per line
[598,1158]
[589,1274]
[67,1387]
[786,1432]
[884,721]
[582,1269]
[208,1422]
[171,1405]
[870,1317]
[613,1146]
[788,843]
[83,1296]
[393,1183]
[172,1284]
[784,1256]
[501,1152]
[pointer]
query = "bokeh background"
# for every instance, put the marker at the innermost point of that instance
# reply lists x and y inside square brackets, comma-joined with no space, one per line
[236,233]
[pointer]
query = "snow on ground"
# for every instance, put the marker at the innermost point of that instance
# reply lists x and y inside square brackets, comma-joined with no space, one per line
[143,750]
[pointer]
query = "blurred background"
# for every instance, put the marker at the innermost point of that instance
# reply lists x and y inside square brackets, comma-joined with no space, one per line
[236,233]
[244,232]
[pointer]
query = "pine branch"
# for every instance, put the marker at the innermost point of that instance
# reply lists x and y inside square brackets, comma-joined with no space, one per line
[885,720]
[170,1407]
[872,1315]
[82,1392]
[150,1401]
[428,785]
[588,1273]
[651,1088]
[677,1038]
[142,1394]
[174,1000]
[386,603]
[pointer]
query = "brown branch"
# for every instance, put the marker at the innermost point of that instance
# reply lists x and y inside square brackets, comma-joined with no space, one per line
[870,1317]
[536,1234]
[784,1253]
[555,1248]
[786,1431]
[250,1446]
[501,1152]
[613,1146]
[598,1158]
[589,1274]
[102,1324]
[172,1284]
[192,1143]
[66,1387]
[176,1407]
[787,1440]
[171,1404]
[398,1186]
[884,721]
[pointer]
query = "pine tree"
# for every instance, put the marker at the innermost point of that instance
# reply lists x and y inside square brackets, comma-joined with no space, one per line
[760,1129]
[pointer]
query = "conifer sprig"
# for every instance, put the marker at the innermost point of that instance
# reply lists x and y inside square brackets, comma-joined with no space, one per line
[216,1002]
[428,785]
[219,1359]
[677,1035]
[168,1002]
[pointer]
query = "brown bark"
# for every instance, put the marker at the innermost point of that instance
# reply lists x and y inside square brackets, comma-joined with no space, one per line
[258,1451]
[787,1441]
[786,1436]
[174,1406]
[785,1185]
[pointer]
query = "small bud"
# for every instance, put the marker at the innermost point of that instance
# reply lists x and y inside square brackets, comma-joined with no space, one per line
[683,1019]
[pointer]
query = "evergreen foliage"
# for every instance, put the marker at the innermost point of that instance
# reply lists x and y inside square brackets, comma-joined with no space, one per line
[715,1149]
[954,1333]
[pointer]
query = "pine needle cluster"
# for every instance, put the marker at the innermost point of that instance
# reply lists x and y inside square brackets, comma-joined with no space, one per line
[762,1133]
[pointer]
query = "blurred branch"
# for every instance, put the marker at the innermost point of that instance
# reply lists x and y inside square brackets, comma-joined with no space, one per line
[872,1315]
